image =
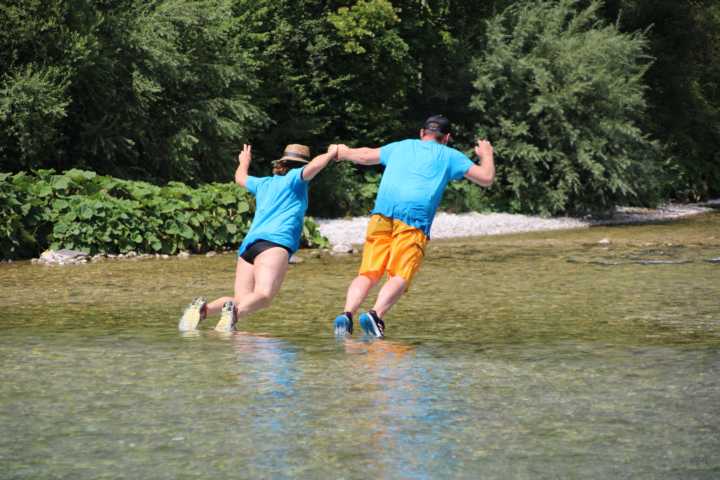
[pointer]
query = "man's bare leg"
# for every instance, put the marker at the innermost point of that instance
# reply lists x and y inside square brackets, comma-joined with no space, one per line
[389,294]
[358,292]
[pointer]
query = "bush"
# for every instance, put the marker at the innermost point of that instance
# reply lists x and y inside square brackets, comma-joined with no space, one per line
[465,196]
[32,104]
[344,190]
[84,211]
[560,95]
[151,90]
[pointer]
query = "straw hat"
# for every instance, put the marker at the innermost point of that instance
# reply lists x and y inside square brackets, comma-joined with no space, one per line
[295,153]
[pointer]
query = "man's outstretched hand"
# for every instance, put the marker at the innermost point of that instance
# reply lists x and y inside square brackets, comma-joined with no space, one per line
[483,149]
[341,150]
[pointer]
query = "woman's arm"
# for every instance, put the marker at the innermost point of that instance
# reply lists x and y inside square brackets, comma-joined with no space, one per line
[362,156]
[483,174]
[318,163]
[241,174]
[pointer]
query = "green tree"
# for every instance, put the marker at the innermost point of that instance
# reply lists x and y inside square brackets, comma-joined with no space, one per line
[684,81]
[33,104]
[155,90]
[560,93]
[329,72]
[172,84]
[40,41]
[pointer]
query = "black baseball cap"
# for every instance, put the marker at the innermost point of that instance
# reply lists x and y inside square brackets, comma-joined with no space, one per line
[437,123]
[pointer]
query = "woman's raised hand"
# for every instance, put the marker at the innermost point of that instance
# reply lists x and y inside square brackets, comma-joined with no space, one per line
[246,154]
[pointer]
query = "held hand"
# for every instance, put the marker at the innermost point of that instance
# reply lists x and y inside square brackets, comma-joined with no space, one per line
[246,154]
[483,149]
[333,152]
[341,149]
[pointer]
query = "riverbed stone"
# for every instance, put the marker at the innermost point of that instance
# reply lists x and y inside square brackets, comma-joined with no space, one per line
[210,254]
[342,249]
[183,254]
[662,262]
[604,241]
[62,257]
[295,259]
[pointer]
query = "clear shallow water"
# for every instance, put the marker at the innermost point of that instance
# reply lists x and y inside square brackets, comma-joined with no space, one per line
[529,356]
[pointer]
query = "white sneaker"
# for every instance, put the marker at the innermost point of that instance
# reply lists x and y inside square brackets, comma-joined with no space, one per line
[228,318]
[193,315]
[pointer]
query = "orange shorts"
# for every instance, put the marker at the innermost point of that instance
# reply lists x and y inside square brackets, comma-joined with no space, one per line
[392,246]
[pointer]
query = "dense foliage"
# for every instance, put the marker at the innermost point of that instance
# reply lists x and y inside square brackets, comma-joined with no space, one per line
[158,90]
[81,210]
[168,90]
[562,94]
[684,86]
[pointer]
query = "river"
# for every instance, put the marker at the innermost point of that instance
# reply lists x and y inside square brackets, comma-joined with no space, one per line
[589,353]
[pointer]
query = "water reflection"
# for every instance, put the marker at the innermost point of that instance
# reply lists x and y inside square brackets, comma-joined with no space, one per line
[269,363]
[395,409]
[370,406]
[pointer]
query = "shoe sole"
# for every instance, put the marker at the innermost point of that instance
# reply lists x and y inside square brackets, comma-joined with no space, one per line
[341,328]
[341,331]
[191,318]
[226,323]
[372,329]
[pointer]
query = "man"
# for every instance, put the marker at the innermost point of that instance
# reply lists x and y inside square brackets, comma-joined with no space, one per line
[415,177]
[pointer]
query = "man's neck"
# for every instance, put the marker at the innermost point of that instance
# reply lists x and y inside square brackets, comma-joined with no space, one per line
[431,138]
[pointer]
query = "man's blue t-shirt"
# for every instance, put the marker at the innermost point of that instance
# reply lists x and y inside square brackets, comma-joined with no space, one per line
[416,174]
[280,204]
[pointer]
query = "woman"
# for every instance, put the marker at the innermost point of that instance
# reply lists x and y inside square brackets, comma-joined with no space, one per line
[263,256]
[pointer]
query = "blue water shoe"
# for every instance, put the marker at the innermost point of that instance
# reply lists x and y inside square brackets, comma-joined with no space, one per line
[343,325]
[372,324]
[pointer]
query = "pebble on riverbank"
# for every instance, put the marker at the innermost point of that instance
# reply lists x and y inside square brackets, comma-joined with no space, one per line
[342,249]
[344,233]
[76,257]
[63,257]
[351,231]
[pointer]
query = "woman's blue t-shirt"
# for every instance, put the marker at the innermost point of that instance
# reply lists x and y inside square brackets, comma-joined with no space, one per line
[280,205]
[416,174]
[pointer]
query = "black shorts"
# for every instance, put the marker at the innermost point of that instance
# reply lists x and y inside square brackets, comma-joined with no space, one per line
[259,246]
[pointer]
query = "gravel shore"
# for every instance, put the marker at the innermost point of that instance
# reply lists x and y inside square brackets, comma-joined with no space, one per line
[352,230]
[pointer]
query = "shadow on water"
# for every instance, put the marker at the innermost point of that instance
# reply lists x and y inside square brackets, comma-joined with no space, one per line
[592,353]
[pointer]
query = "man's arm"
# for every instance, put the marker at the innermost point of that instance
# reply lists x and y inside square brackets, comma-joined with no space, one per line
[483,174]
[241,174]
[318,163]
[362,156]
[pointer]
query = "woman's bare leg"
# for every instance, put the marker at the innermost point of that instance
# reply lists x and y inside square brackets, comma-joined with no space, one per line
[269,271]
[244,284]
